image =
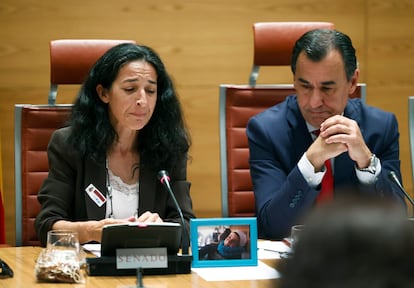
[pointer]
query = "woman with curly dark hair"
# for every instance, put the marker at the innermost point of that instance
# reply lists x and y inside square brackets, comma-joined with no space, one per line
[126,125]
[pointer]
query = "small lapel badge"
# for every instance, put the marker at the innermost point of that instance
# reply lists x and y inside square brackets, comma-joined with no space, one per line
[95,195]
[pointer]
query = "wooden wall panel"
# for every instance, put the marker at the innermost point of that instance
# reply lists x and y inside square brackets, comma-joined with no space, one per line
[203,43]
[390,66]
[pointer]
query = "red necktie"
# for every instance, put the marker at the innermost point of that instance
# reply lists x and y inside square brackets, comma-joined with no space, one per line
[327,184]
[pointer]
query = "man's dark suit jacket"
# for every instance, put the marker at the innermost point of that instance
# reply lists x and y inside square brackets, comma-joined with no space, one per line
[278,137]
[63,196]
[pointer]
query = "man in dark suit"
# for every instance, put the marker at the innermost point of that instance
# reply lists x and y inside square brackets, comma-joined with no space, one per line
[287,162]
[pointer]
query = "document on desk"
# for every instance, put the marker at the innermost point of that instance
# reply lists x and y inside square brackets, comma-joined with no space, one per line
[261,271]
[267,249]
[95,249]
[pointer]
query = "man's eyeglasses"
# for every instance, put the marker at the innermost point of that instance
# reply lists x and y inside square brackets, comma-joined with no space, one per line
[5,270]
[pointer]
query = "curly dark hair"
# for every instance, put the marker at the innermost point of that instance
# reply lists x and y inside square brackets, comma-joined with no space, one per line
[160,142]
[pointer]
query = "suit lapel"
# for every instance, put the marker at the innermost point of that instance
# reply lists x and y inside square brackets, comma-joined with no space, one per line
[95,174]
[147,182]
[300,138]
[353,111]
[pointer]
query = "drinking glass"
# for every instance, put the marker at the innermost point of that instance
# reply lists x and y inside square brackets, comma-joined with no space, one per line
[295,233]
[63,244]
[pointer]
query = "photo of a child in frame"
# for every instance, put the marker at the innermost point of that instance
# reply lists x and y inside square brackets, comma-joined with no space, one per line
[223,242]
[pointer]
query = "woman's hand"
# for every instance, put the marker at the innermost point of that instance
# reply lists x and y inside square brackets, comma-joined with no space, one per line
[89,230]
[149,217]
[92,230]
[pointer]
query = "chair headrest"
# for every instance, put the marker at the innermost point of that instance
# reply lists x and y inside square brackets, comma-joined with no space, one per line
[71,59]
[274,41]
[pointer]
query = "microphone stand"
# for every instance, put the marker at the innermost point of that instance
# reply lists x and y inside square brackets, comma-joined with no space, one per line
[140,283]
[393,177]
[165,179]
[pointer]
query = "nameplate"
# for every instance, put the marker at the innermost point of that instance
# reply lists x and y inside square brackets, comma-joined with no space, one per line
[132,258]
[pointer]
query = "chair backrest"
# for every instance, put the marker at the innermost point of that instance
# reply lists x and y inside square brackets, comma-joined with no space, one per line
[34,125]
[411,130]
[237,104]
[70,62]
[274,41]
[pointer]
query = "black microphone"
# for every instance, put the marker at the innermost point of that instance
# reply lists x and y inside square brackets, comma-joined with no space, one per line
[165,180]
[393,177]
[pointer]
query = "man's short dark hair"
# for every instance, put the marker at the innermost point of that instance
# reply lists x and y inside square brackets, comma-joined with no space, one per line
[317,43]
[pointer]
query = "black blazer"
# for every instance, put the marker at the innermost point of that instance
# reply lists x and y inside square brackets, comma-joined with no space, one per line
[63,197]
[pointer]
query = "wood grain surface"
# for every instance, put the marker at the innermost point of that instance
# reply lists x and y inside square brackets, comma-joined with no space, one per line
[204,44]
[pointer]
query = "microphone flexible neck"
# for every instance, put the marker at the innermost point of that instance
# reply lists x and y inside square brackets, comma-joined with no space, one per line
[393,177]
[165,180]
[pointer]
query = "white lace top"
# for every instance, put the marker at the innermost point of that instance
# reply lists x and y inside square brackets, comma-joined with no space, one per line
[124,198]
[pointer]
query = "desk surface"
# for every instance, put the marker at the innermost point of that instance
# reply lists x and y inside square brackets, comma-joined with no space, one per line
[22,261]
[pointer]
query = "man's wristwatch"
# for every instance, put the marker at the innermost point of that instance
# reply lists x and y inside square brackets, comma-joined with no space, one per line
[372,168]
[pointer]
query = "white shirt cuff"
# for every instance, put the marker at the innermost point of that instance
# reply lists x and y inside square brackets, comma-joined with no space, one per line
[366,177]
[308,171]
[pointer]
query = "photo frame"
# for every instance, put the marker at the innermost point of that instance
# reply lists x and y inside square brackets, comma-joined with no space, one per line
[223,242]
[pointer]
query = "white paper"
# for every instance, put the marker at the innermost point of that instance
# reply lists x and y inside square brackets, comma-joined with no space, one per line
[266,254]
[261,271]
[276,246]
[267,249]
[95,249]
